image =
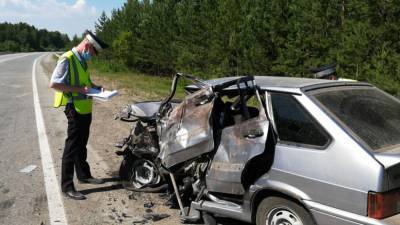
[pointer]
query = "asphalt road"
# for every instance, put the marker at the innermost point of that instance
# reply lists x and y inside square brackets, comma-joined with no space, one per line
[22,195]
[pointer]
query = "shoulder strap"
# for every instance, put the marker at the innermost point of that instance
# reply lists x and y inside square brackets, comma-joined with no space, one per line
[75,74]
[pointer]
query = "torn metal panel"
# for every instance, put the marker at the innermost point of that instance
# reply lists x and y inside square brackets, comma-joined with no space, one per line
[239,144]
[145,108]
[141,110]
[186,133]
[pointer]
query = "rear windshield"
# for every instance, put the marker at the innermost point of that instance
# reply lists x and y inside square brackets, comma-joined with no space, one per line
[369,113]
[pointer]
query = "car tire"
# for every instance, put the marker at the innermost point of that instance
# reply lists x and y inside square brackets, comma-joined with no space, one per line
[276,210]
[125,172]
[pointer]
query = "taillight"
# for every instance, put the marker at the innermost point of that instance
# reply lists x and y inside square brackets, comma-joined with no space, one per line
[382,205]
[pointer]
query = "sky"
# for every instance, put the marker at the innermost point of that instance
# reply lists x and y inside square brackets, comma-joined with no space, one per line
[67,16]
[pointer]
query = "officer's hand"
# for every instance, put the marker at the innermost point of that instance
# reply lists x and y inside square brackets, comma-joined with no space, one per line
[84,90]
[100,88]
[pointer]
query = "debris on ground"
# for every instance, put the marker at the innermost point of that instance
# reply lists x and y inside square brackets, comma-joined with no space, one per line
[163,195]
[143,221]
[134,195]
[149,210]
[171,202]
[125,216]
[148,205]
[28,169]
[155,216]
[5,190]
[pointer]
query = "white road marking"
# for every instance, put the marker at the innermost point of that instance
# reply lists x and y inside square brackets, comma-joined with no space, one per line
[14,57]
[54,200]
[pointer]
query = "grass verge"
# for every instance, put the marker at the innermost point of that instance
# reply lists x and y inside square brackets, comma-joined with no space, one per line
[140,86]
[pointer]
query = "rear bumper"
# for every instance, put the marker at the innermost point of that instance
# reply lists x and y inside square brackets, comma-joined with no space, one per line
[326,215]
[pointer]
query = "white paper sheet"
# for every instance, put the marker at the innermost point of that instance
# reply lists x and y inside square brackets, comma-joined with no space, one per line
[101,95]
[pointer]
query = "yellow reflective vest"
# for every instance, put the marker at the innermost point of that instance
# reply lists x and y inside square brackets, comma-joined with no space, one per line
[78,78]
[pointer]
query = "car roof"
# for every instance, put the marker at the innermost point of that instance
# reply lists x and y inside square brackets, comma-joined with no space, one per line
[295,85]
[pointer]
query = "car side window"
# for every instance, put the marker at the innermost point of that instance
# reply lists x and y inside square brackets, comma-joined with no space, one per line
[294,124]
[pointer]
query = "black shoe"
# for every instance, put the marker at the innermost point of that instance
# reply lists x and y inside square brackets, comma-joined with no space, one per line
[91,181]
[76,195]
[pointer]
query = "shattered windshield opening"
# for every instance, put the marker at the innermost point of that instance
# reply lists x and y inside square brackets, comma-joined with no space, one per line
[371,114]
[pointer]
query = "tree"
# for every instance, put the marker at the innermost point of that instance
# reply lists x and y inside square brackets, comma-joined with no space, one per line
[268,37]
[23,37]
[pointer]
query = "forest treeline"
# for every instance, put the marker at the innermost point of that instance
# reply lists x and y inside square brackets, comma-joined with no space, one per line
[263,37]
[21,37]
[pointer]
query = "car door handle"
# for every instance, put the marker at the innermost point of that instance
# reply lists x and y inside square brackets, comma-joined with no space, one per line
[254,134]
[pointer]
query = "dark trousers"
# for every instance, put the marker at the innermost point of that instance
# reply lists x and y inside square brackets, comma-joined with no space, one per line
[75,152]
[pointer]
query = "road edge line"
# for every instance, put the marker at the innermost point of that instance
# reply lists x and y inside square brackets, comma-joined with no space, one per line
[14,57]
[54,200]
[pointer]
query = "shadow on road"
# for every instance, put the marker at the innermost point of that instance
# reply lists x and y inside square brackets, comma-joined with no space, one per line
[111,179]
[102,189]
[227,221]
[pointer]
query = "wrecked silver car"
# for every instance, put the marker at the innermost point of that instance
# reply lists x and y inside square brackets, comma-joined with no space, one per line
[270,150]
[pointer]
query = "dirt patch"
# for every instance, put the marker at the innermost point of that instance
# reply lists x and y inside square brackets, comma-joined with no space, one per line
[38,204]
[7,204]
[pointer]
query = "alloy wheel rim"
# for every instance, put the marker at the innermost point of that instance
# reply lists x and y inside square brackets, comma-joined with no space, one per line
[282,216]
[144,173]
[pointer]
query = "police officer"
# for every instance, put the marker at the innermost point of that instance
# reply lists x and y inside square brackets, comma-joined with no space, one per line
[72,82]
[325,72]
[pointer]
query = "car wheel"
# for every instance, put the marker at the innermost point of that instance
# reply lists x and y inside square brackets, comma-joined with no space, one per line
[140,175]
[280,211]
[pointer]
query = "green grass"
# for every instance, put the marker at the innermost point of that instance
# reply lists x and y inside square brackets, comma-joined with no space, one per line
[141,86]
